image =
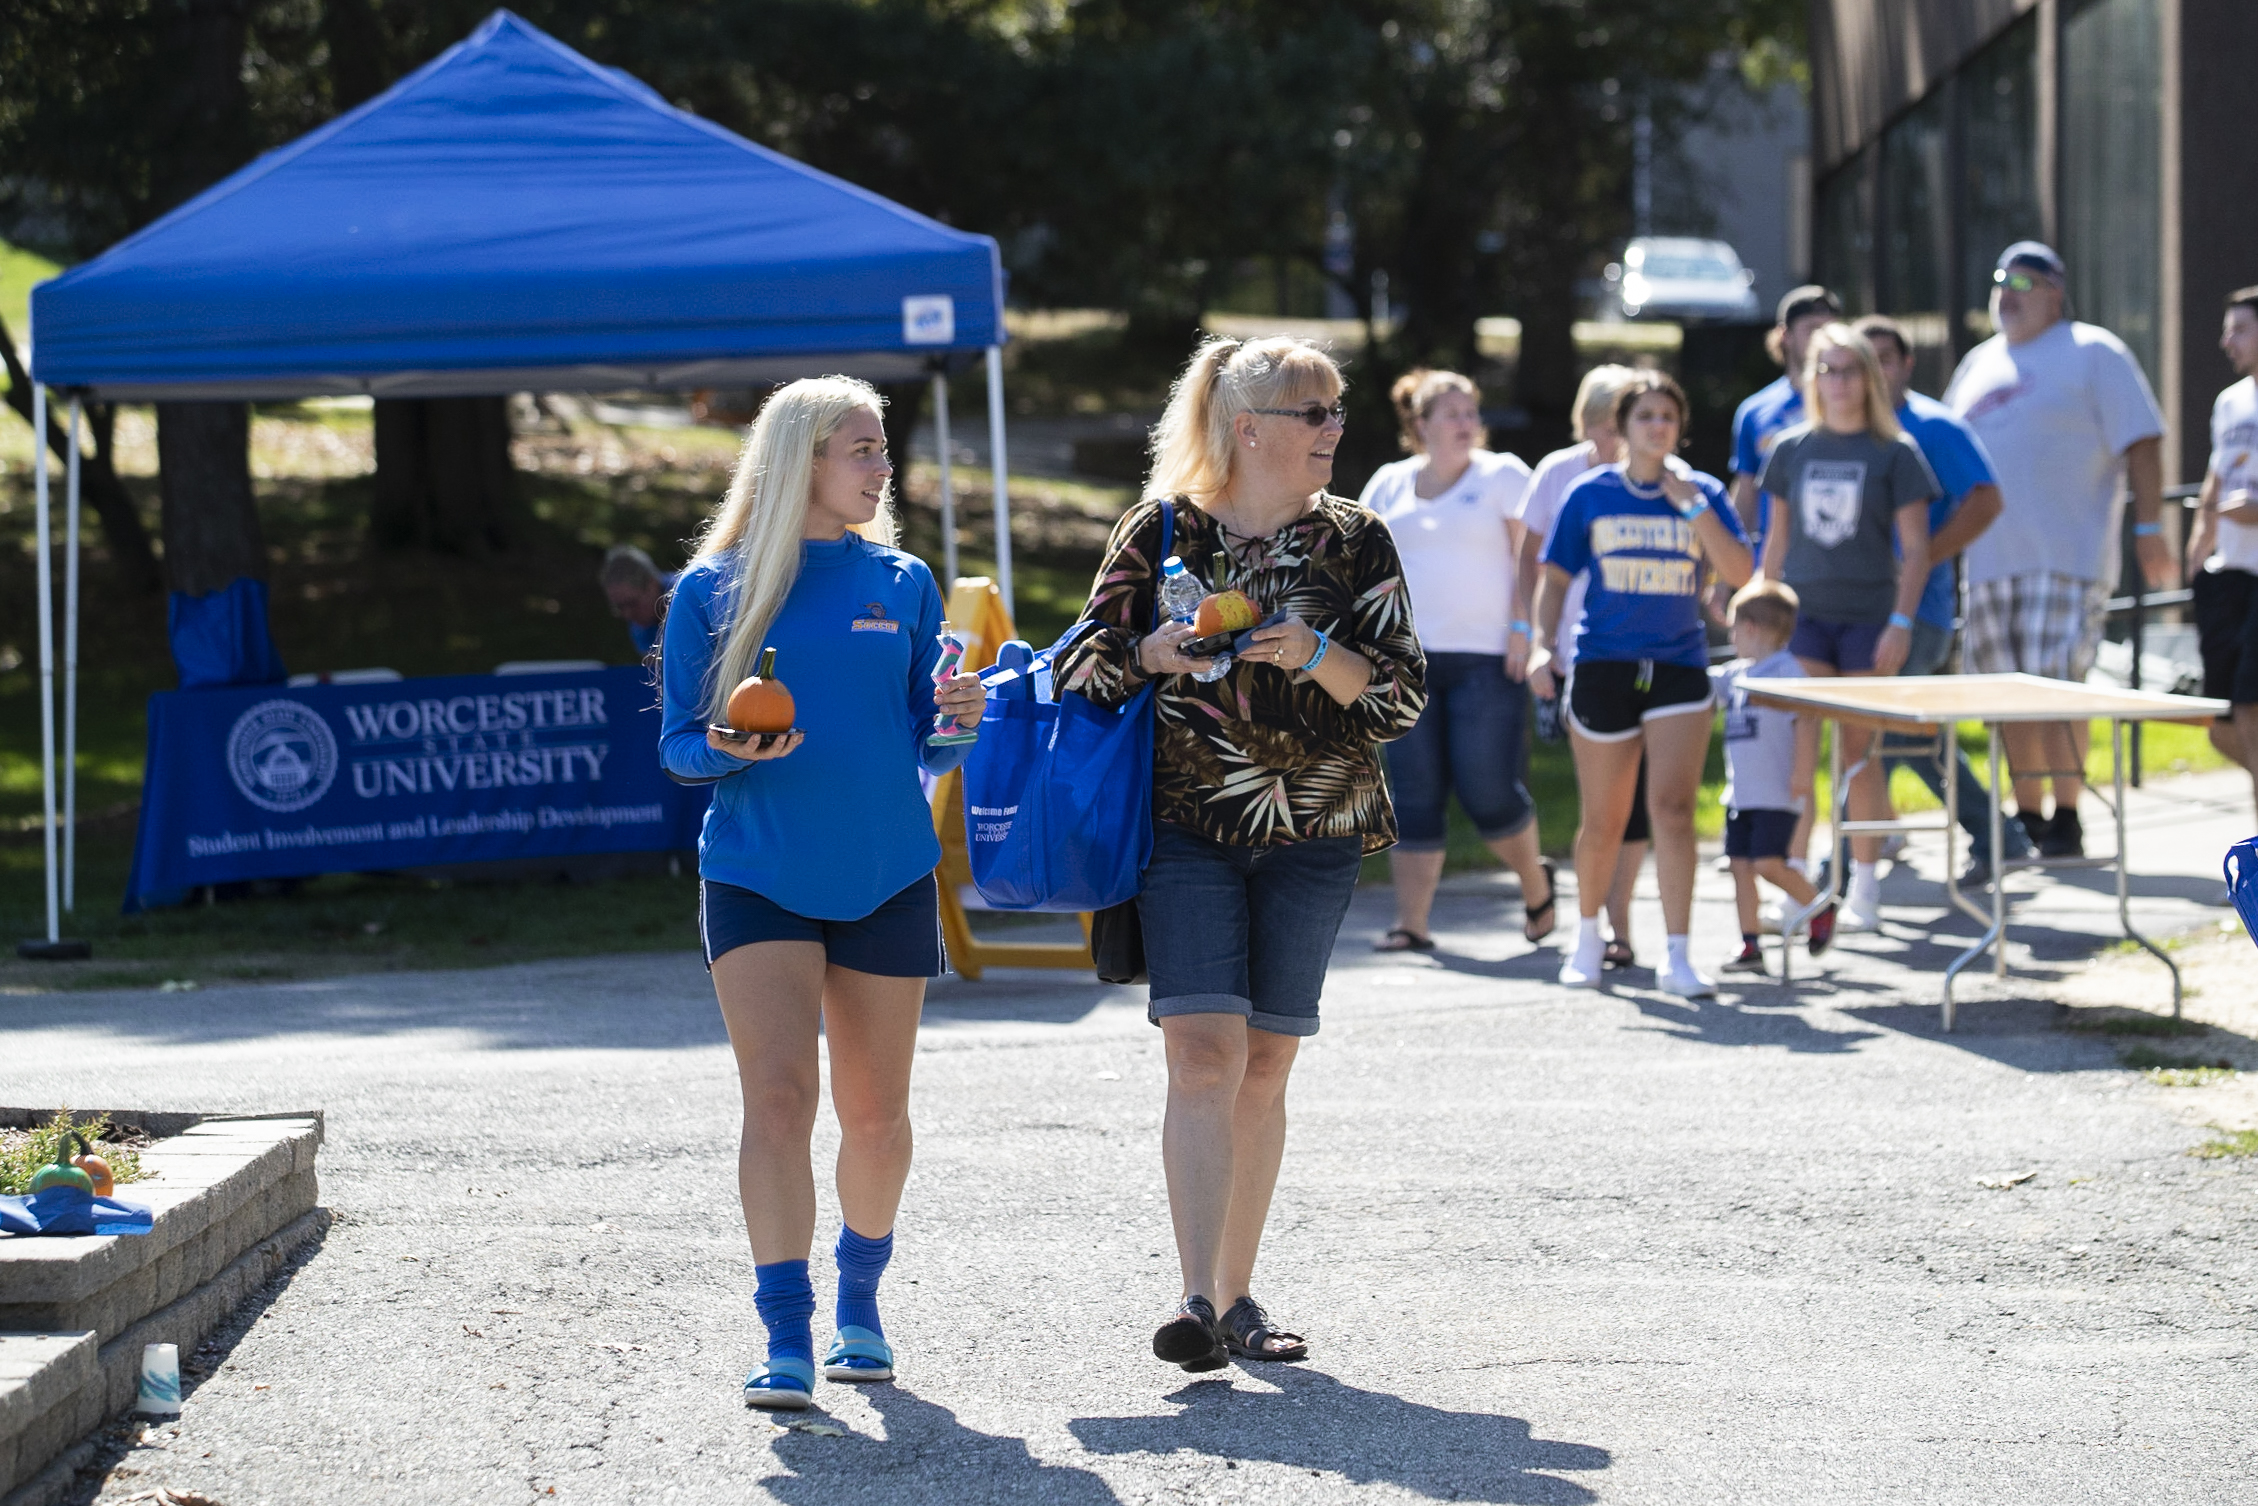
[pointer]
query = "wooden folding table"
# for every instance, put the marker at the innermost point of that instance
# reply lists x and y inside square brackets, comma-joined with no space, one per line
[1938,704]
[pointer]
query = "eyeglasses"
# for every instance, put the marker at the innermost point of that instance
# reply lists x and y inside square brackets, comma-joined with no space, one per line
[2015,282]
[1824,369]
[1315,415]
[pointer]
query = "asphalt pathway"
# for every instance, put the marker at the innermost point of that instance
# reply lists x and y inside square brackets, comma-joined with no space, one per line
[1549,1247]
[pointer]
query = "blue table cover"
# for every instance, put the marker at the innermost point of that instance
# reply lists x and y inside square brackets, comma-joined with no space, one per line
[264,782]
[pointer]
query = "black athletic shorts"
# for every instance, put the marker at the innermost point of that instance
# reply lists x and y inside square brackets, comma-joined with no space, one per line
[1609,700]
[2226,633]
[1759,833]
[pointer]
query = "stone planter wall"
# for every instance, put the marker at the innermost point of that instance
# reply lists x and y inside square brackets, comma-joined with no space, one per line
[234,1199]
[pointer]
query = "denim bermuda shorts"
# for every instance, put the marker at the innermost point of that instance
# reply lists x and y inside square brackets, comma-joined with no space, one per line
[1243,930]
[1474,738]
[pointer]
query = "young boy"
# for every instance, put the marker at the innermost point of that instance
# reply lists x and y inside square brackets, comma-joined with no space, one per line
[1769,758]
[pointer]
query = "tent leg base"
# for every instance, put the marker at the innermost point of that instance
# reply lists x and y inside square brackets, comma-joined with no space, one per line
[55,951]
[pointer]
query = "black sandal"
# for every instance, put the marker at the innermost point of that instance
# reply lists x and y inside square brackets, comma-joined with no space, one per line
[1618,954]
[1531,914]
[1249,1334]
[1412,942]
[1192,1338]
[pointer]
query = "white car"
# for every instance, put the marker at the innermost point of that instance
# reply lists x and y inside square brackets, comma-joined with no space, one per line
[1675,277]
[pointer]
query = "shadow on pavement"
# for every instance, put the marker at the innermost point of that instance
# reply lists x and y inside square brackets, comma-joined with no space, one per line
[927,1456]
[1728,1020]
[1315,1422]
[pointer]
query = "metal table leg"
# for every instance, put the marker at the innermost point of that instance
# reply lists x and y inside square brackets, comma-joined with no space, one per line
[2124,895]
[1995,936]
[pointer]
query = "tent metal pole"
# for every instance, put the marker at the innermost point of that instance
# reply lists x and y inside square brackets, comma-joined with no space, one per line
[46,572]
[1001,470]
[70,673]
[945,445]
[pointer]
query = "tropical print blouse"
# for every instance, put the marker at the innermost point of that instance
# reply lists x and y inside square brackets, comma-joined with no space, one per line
[1264,756]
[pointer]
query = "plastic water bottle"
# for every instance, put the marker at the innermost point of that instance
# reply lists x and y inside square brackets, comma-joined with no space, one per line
[1180,595]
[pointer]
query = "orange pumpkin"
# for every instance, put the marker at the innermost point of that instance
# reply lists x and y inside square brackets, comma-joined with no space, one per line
[761,703]
[1224,612]
[99,1169]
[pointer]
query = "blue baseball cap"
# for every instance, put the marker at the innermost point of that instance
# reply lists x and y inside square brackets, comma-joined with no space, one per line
[2034,256]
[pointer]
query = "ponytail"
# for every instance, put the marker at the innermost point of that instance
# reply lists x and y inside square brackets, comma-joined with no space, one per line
[1193,448]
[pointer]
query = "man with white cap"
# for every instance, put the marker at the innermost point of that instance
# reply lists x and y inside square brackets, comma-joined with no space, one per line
[2066,414]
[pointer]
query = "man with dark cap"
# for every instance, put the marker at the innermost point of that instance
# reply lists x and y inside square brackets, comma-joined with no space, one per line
[1778,407]
[2066,415]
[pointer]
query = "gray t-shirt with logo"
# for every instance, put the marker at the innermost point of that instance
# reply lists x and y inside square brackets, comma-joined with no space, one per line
[1841,494]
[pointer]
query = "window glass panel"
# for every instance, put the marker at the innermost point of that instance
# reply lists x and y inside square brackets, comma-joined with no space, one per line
[1916,271]
[1845,249]
[1999,177]
[2112,79]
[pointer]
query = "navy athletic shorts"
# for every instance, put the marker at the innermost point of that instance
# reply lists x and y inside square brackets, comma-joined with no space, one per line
[899,939]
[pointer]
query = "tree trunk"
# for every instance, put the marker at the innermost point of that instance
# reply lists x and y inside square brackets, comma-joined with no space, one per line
[443,475]
[211,525]
[99,486]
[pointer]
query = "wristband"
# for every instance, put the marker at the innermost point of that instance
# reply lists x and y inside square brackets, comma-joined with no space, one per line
[1323,643]
[1701,506]
[1518,627]
[2147,530]
[1900,620]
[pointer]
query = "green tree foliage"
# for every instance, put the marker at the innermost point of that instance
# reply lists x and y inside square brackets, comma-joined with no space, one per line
[1127,153]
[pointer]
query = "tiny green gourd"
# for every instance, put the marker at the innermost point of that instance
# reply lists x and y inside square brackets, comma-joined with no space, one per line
[61,1173]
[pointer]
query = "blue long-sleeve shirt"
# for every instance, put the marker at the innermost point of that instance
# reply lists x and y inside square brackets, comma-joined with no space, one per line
[841,825]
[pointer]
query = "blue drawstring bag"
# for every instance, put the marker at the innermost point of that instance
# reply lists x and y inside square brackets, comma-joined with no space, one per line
[2242,883]
[71,1210]
[1058,790]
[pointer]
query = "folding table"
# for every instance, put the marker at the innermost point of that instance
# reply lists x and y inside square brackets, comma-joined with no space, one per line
[1938,704]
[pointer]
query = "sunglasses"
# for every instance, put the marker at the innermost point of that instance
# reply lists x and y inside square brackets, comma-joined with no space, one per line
[1825,368]
[1315,415]
[2016,282]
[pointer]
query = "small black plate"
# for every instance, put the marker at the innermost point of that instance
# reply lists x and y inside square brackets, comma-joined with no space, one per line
[767,740]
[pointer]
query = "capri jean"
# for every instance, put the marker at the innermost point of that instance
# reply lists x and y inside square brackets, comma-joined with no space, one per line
[1474,738]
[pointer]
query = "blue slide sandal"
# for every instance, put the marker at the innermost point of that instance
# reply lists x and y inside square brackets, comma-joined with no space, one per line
[785,1385]
[857,1354]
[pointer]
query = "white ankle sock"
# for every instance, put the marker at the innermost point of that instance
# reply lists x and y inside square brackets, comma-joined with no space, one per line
[1589,943]
[1865,884]
[1678,949]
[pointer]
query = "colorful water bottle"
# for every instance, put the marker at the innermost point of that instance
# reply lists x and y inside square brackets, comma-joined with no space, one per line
[949,731]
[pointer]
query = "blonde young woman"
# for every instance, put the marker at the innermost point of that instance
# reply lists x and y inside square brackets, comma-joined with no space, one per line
[1454,508]
[1850,508]
[816,899]
[1266,786]
[1593,425]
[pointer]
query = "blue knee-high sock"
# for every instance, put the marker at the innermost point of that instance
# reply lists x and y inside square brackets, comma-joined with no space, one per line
[861,1262]
[786,1300]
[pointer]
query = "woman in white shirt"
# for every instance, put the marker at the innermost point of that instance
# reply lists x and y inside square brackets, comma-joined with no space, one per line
[1454,509]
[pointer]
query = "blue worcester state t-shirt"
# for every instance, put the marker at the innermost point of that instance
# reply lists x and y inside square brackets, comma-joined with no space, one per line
[1642,599]
[1758,422]
[1957,458]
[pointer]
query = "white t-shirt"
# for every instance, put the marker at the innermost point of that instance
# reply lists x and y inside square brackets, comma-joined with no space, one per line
[2234,460]
[1457,556]
[1548,485]
[1759,740]
[2056,414]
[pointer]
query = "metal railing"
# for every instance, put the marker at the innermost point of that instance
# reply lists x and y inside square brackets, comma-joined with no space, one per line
[2136,606]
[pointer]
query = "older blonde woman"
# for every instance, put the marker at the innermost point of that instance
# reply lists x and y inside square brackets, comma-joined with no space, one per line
[816,898]
[1267,792]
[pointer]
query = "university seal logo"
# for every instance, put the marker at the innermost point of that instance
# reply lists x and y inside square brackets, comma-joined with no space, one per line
[282,755]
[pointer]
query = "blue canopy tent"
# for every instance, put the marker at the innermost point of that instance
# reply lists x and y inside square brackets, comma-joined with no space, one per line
[510,217]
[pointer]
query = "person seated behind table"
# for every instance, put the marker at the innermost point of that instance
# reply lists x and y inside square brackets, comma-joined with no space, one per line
[637,591]
[1769,758]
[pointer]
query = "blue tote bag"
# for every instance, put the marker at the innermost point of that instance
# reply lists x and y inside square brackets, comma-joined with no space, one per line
[1058,790]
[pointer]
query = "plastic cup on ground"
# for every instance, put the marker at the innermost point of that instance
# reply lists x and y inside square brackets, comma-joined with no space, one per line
[160,1381]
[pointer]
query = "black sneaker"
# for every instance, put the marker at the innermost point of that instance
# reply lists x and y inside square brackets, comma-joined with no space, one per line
[1751,960]
[2036,827]
[2065,836]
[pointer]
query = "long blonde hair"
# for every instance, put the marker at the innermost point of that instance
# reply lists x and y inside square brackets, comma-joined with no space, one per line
[1595,397]
[1193,447]
[760,523]
[1881,420]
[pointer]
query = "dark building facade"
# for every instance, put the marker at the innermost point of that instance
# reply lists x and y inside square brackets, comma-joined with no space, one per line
[2114,130]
